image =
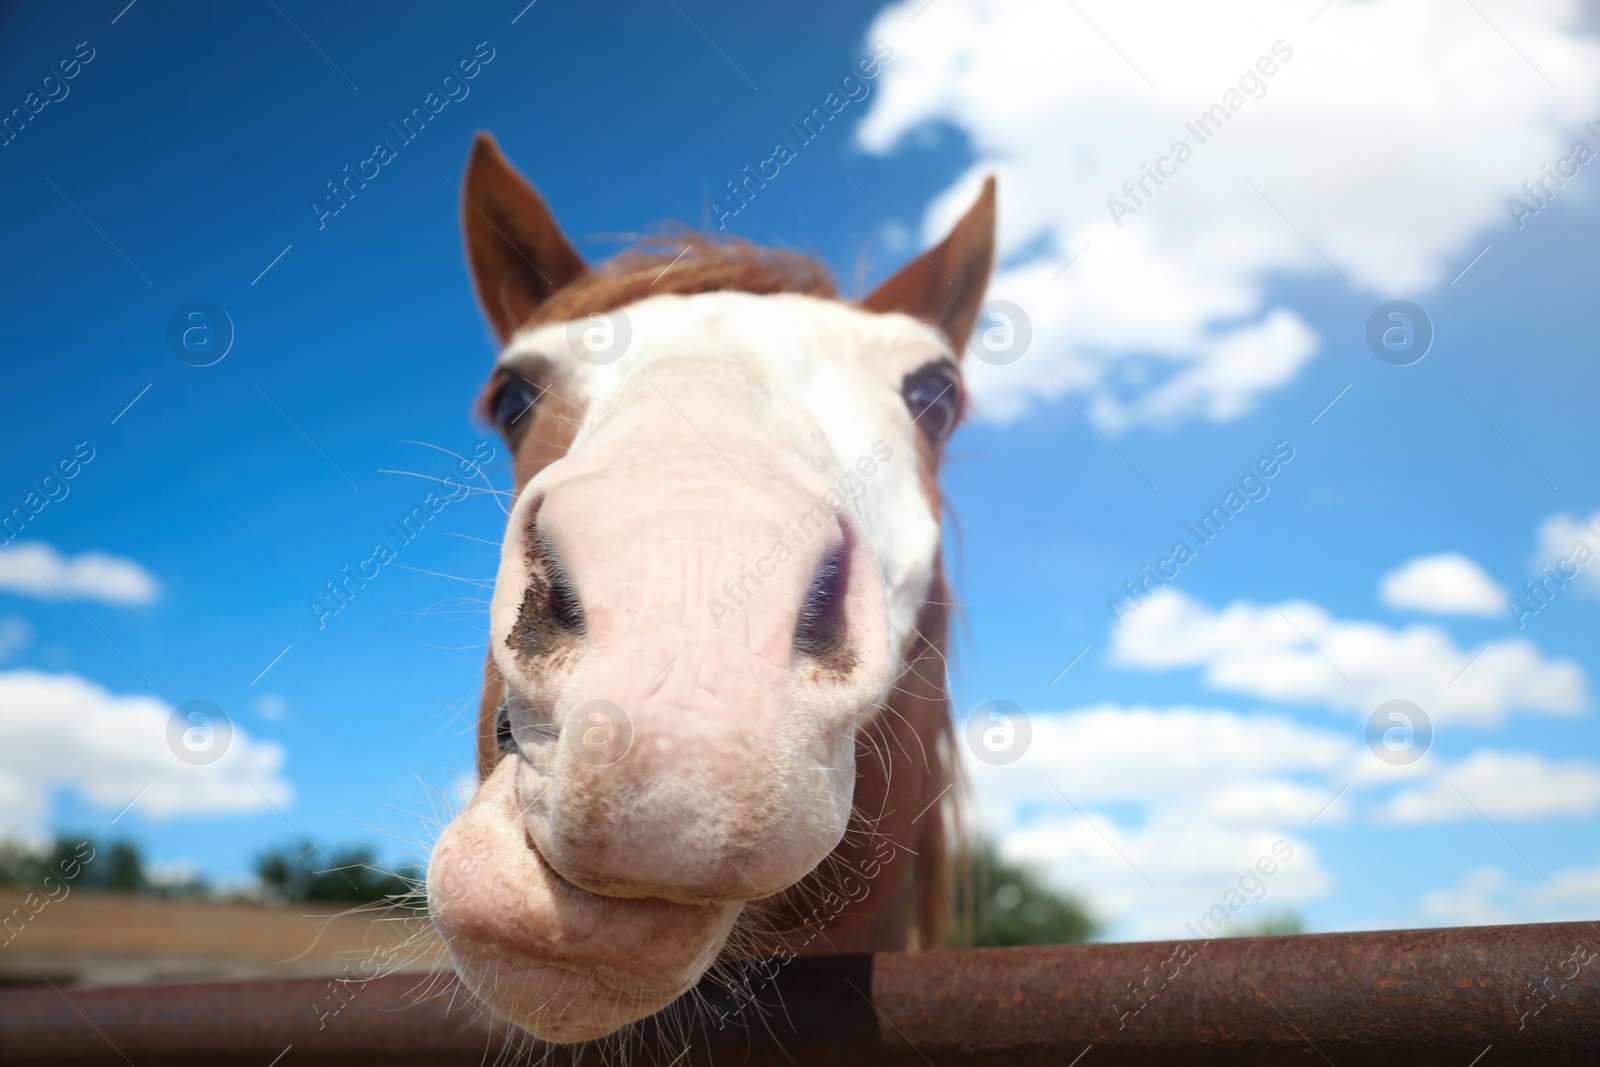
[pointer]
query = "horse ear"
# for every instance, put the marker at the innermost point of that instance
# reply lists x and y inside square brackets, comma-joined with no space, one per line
[517,253]
[945,285]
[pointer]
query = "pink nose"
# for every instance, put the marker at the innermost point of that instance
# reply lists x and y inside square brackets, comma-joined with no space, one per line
[692,652]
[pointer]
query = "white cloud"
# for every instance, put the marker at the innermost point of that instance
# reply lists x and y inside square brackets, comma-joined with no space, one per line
[1254,801]
[1567,546]
[1510,785]
[1447,583]
[60,730]
[1108,754]
[1488,896]
[1153,814]
[1214,790]
[1148,881]
[1367,146]
[1277,653]
[34,567]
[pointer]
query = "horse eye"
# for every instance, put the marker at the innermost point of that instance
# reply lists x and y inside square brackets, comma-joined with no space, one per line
[934,400]
[510,409]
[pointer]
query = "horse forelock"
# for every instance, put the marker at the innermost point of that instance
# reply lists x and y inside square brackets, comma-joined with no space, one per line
[685,263]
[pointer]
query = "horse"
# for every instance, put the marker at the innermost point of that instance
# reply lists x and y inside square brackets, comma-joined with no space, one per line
[715,722]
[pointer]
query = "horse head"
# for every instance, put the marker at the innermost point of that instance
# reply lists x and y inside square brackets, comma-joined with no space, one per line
[715,692]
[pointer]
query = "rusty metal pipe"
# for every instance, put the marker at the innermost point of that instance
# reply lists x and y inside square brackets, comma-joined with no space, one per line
[1526,994]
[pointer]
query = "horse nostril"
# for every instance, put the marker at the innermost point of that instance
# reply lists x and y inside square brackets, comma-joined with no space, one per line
[551,614]
[820,631]
[564,606]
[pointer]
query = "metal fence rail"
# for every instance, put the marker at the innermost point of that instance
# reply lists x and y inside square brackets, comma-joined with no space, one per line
[1485,996]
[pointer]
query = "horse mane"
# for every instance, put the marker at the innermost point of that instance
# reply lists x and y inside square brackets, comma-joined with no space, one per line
[683,263]
[942,882]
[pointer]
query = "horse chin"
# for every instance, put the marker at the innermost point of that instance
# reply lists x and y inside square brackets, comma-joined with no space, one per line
[563,963]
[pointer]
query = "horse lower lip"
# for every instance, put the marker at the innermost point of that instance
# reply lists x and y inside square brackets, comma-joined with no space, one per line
[548,955]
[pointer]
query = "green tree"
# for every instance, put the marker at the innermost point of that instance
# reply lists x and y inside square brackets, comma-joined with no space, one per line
[100,866]
[346,874]
[117,867]
[1283,922]
[114,866]
[1013,904]
[22,866]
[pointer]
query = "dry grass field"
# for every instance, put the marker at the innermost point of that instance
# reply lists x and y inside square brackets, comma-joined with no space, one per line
[104,938]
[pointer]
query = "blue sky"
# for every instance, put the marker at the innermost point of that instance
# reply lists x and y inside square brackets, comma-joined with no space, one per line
[181,164]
